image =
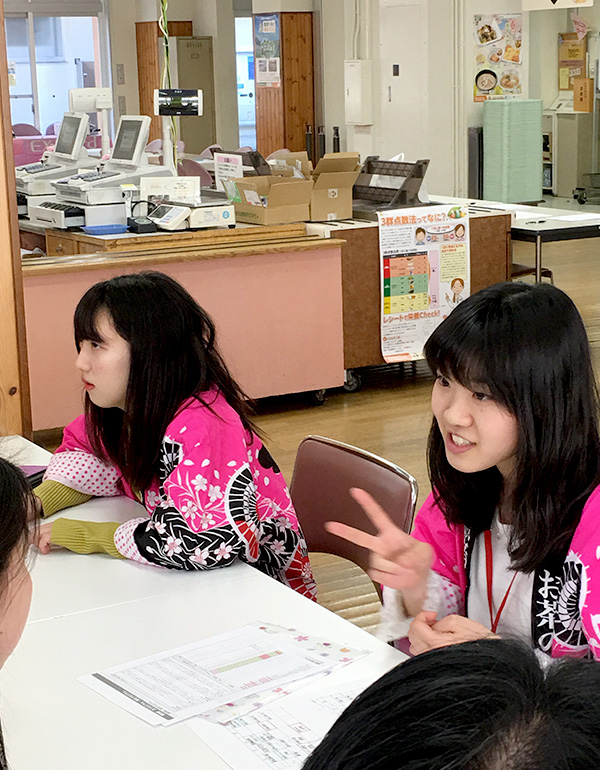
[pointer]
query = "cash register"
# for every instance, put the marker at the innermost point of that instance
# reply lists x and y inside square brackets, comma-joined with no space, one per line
[68,155]
[95,197]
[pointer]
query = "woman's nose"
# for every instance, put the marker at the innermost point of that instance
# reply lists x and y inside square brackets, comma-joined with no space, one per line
[81,361]
[458,410]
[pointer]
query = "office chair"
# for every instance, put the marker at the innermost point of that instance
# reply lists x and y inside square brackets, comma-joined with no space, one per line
[324,472]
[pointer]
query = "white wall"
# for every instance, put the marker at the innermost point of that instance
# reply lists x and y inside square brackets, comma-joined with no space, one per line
[544,29]
[275,6]
[216,19]
[122,17]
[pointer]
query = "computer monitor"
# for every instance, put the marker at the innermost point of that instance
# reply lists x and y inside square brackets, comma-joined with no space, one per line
[72,134]
[131,140]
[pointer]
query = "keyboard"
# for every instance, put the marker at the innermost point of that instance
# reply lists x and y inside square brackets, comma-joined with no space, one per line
[95,176]
[35,168]
[68,208]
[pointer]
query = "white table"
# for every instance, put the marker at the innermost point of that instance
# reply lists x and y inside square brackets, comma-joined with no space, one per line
[535,224]
[93,612]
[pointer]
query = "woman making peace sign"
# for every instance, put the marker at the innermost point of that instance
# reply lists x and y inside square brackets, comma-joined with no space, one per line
[508,542]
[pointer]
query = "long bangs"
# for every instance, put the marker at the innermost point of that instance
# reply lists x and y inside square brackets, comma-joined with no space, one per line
[474,348]
[86,315]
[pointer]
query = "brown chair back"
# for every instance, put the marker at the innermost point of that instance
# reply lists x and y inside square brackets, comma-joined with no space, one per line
[324,472]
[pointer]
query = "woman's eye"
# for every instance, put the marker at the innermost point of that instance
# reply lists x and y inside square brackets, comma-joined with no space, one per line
[443,381]
[95,345]
[482,396]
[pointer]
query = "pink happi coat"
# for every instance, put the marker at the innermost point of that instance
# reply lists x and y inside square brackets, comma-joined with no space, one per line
[219,496]
[565,613]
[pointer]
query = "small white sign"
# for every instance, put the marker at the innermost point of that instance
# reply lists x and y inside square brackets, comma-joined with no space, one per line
[227,167]
[542,5]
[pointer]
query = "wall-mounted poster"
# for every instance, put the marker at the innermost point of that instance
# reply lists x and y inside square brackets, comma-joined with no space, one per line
[543,5]
[267,55]
[498,56]
[425,274]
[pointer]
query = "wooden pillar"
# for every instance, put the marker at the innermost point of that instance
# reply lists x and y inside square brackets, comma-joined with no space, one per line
[15,406]
[147,34]
[283,112]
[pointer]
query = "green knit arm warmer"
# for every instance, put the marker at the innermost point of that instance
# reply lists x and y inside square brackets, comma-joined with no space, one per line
[56,496]
[86,536]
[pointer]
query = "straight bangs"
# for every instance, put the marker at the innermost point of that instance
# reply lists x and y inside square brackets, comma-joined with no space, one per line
[86,316]
[473,349]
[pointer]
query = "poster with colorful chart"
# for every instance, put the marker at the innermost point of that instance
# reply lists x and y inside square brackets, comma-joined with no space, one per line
[425,274]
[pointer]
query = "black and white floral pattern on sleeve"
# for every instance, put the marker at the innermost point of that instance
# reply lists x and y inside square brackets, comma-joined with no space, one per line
[167,540]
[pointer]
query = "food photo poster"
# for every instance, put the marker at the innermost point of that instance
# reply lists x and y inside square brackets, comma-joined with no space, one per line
[498,71]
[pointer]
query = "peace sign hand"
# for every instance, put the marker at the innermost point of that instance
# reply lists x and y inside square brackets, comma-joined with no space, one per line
[397,560]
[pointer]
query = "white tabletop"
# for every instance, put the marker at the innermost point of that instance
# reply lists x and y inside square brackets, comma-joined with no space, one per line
[93,612]
[529,218]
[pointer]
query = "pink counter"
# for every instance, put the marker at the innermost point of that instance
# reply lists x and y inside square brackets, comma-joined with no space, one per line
[278,317]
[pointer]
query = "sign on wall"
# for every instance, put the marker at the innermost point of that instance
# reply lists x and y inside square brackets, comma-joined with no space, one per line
[543,5]
[498,72]
[425,274]
[267,53]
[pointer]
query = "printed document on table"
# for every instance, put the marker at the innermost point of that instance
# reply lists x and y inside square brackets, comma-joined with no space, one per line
[282,735]
[168,687]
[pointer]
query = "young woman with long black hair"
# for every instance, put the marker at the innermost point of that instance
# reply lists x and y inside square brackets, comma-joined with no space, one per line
[508,542]
[166,424]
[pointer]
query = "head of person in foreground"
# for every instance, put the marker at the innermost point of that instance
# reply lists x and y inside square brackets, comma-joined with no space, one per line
[483,705]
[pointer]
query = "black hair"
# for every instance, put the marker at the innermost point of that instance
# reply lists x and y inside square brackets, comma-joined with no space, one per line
[483,705]
[18,509]
[174,357]
[526,344]
[18,512]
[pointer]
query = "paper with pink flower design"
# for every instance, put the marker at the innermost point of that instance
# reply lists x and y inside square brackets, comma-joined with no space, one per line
[336,654]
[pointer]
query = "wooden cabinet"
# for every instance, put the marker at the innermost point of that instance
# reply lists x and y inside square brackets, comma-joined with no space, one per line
[284,110]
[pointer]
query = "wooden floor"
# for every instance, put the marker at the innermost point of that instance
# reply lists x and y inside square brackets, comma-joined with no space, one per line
[391,416]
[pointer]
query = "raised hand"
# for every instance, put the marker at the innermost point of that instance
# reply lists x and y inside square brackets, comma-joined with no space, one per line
[397,560]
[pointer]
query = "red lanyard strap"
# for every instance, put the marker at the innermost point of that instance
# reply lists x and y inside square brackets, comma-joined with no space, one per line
[489,570]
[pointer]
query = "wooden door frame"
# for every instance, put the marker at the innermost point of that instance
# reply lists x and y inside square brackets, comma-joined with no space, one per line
[15,402]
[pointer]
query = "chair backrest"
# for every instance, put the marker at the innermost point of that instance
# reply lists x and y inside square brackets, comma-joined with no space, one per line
[24,129]
[247,148]
[53,129]
[276,154]
[154,146]
[189,167]
[209,152]
[324,472]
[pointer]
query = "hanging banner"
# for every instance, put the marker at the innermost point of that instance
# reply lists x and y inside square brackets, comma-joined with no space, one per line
[543,5]
[267,54]
[498,56]
[425,274]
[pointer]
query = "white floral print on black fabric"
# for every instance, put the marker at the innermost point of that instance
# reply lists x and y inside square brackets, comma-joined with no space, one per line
[168,541]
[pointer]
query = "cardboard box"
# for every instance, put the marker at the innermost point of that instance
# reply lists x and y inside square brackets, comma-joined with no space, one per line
[334,177]
[583,95]
[571,59]
[270,200]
